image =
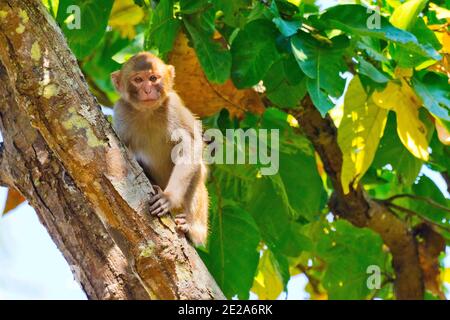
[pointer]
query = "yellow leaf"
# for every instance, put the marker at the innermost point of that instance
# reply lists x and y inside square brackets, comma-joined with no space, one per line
[446,275]
[292,121]
[405,15]
[14,199]
[336,114]
[443,35]
[125,15]
[400,97]
[394,3]
[359,133]
[295,2]
[52,6]
[268,282]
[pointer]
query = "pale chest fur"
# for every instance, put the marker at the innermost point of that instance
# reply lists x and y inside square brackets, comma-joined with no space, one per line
[147,135]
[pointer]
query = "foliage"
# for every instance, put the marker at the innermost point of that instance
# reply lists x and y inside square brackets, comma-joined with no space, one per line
[390,68]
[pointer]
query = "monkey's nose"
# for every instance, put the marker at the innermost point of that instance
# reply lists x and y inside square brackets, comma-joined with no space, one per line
[148,89]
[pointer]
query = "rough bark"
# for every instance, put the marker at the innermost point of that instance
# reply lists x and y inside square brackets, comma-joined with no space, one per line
[50,90]
[361,211]
[27,164]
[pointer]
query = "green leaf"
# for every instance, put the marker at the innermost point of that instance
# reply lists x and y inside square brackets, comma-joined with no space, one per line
[214,58]
[322,63]
[233,11]
[193,6]
[254,51]
[349,252]
[440,156]
[319,97]
[409,59]
[232,256]
[426,188]
[301,190]
[359,133]
[286,27]
[354,20]
[274,219]
[367,69]
[93,20]
[304,188]
[372,48]
[434,92]
[162,29]
[285,83]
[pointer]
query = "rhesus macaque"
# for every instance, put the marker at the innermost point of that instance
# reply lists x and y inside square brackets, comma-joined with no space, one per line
[166,140]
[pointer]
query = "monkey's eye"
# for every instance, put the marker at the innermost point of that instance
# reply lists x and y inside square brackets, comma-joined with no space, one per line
[153,78]
[138,80]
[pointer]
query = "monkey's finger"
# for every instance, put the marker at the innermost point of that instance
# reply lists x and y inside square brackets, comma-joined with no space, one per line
[161,212]
[156,198]
[164,211]
[157,189]
[158,211]
[158,204]
[161,208]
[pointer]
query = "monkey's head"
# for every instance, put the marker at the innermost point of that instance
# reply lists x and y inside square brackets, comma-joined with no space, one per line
[144,81]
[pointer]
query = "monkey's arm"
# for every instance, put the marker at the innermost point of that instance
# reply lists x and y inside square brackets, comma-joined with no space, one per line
[180,181]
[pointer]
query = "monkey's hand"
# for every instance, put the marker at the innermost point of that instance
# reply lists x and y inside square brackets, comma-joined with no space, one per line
[160,203]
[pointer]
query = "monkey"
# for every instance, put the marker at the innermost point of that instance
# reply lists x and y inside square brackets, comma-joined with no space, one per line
[166,140]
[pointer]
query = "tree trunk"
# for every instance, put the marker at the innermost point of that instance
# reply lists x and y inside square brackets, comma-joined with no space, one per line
[360,210]
[72,168]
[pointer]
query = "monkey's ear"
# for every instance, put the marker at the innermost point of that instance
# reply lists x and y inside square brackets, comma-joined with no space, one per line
[171,71]
[115,78]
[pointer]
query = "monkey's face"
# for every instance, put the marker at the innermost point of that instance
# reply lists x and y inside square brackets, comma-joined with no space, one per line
[145,87]
[144,81]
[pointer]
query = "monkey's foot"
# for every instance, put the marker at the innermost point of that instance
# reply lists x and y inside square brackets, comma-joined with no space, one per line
[159,204]
[182,224]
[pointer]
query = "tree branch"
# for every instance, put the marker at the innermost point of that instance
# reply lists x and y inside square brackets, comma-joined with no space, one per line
[5,177]
[56,100]
[419,198]
[357,208]
[31,167]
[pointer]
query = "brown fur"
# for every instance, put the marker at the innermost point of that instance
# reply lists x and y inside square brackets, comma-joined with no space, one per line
[146,129]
